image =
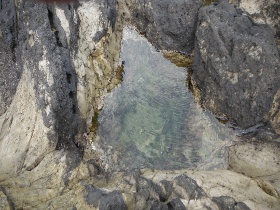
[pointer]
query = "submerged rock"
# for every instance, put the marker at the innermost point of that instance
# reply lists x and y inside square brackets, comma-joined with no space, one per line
[236,65]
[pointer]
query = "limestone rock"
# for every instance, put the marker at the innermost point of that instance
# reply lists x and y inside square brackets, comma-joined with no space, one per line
[43,113]
[5,203]
[255,159]
[236,65]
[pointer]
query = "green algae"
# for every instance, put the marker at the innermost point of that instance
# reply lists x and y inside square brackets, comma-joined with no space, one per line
[94,123]
[179,59]
[208,2]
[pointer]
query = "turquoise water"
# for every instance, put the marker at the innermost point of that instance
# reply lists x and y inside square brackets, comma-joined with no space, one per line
[152,120]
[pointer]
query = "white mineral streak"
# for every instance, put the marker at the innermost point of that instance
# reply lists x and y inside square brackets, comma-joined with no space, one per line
[63,22]
[90,24]
[251,6]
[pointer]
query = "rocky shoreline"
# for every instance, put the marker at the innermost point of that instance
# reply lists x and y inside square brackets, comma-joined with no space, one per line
[57,63]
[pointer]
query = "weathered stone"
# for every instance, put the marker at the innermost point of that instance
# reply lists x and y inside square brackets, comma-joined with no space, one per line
[236,65]
[176,204]
[93,196]
[220,183]
[5,203]
[187,188]
[228,203]
[255,159]
[10,73]
[275,113]
[170,25]
[45,103]
[159,206]
[167,187]
[262,11]
[9,77]
[9,24]
[112,201]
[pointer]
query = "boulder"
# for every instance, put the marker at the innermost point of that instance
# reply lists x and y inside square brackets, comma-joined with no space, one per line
[255,159]
[236,65]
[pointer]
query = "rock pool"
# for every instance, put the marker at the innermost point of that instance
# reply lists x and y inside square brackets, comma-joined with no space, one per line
[152,120]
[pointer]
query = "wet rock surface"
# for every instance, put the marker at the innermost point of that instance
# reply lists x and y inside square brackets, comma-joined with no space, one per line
[236,64]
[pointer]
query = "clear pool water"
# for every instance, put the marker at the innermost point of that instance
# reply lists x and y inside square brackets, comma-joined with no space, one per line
[152,120]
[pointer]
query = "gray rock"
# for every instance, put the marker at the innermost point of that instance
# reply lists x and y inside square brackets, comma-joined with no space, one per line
[112,201]
[236,65]
[176,204]
[167,188]
[159,206]
[144,184]
[241,206]
[93,195]
[168,24]
[148,194]
[8,24]
[263,11]
[185,187]
[228,203]
[10,73]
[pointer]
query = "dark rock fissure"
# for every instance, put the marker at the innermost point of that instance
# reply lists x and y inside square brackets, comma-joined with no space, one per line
[54,29]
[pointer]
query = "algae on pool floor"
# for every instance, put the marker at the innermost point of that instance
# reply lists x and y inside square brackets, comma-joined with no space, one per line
[152,120]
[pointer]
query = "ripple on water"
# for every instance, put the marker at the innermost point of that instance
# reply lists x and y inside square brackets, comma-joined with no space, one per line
[152,120]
